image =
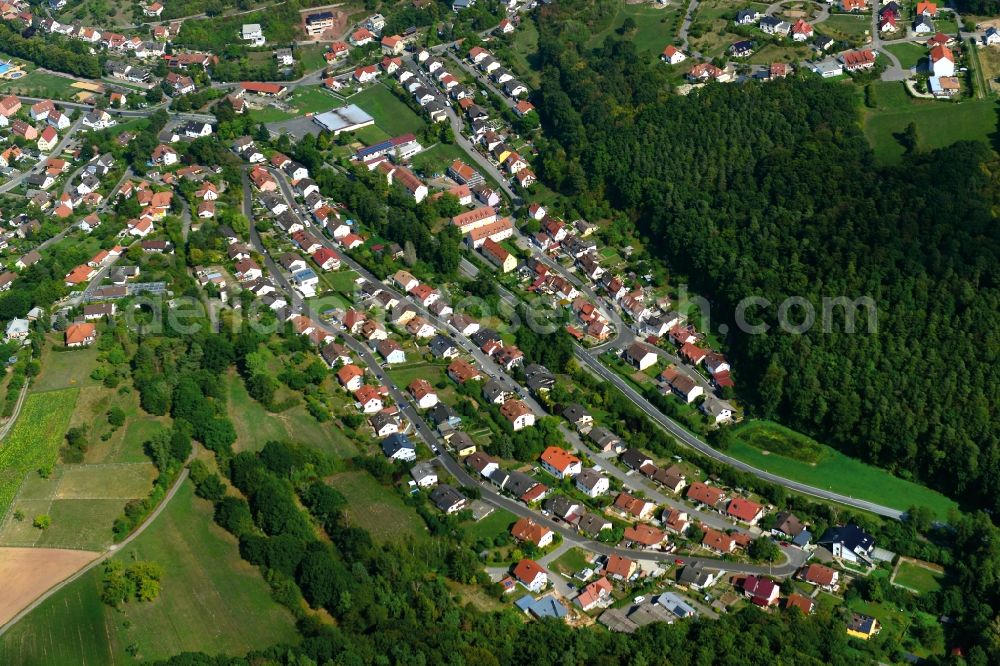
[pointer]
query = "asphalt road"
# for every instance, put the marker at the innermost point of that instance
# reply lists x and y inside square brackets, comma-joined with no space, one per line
[686,438]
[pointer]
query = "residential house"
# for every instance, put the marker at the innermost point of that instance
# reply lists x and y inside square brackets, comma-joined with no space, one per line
[423,393]
[620,568]
[448,500]
[641,356]
[696,577]
[351,377]
[518,414]
[745,510]
[398,446]
[672,55]
[822,576]
[644,535]
[369,399]
[80,334]
[760,591]
[528,530]
[531,575]
[701,493]
[635,507]
[559,462]
[591,483]
[595,595]
[719,542]
[849,543]
[424,474]
[863,626]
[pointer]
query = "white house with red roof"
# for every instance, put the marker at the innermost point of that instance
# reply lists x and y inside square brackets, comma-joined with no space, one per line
[672,55]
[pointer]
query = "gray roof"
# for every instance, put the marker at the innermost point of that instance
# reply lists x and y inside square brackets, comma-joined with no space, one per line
[445,497]
[520,483]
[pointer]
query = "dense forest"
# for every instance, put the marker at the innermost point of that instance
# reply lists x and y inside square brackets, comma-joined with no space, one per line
[771,190]
[979,7]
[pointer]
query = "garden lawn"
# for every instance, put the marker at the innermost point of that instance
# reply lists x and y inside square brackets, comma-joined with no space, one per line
[845,26]
[377,509]
[918,578]
[211,601]
[390,114]
[311,56]
[909,54]
[492,526]
[572,561]
[938,123]
[436,159]
[35,439]
[847,476]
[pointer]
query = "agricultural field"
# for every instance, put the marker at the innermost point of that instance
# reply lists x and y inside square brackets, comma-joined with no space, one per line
[824,467]
[34,440]
[391,115]
[376,509]
[29,572]
[211,601]
[939,123]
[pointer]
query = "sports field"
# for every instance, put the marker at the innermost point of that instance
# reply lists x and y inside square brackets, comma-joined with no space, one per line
[211,601]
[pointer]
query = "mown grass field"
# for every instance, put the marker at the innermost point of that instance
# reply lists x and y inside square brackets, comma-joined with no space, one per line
[572,561]
[255,426]
[34,440]
[377,509]
[909,54]
[492,526]
[211,601]
[40,84]
[655,27]
[391,115]
[938,123]
[768,436]
[436,159]
[839,473]
[66,369]
[914,576]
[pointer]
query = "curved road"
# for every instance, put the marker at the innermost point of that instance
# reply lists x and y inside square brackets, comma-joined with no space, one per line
[793,559]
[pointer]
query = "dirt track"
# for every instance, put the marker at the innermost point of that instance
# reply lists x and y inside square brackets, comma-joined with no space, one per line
[26,573]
